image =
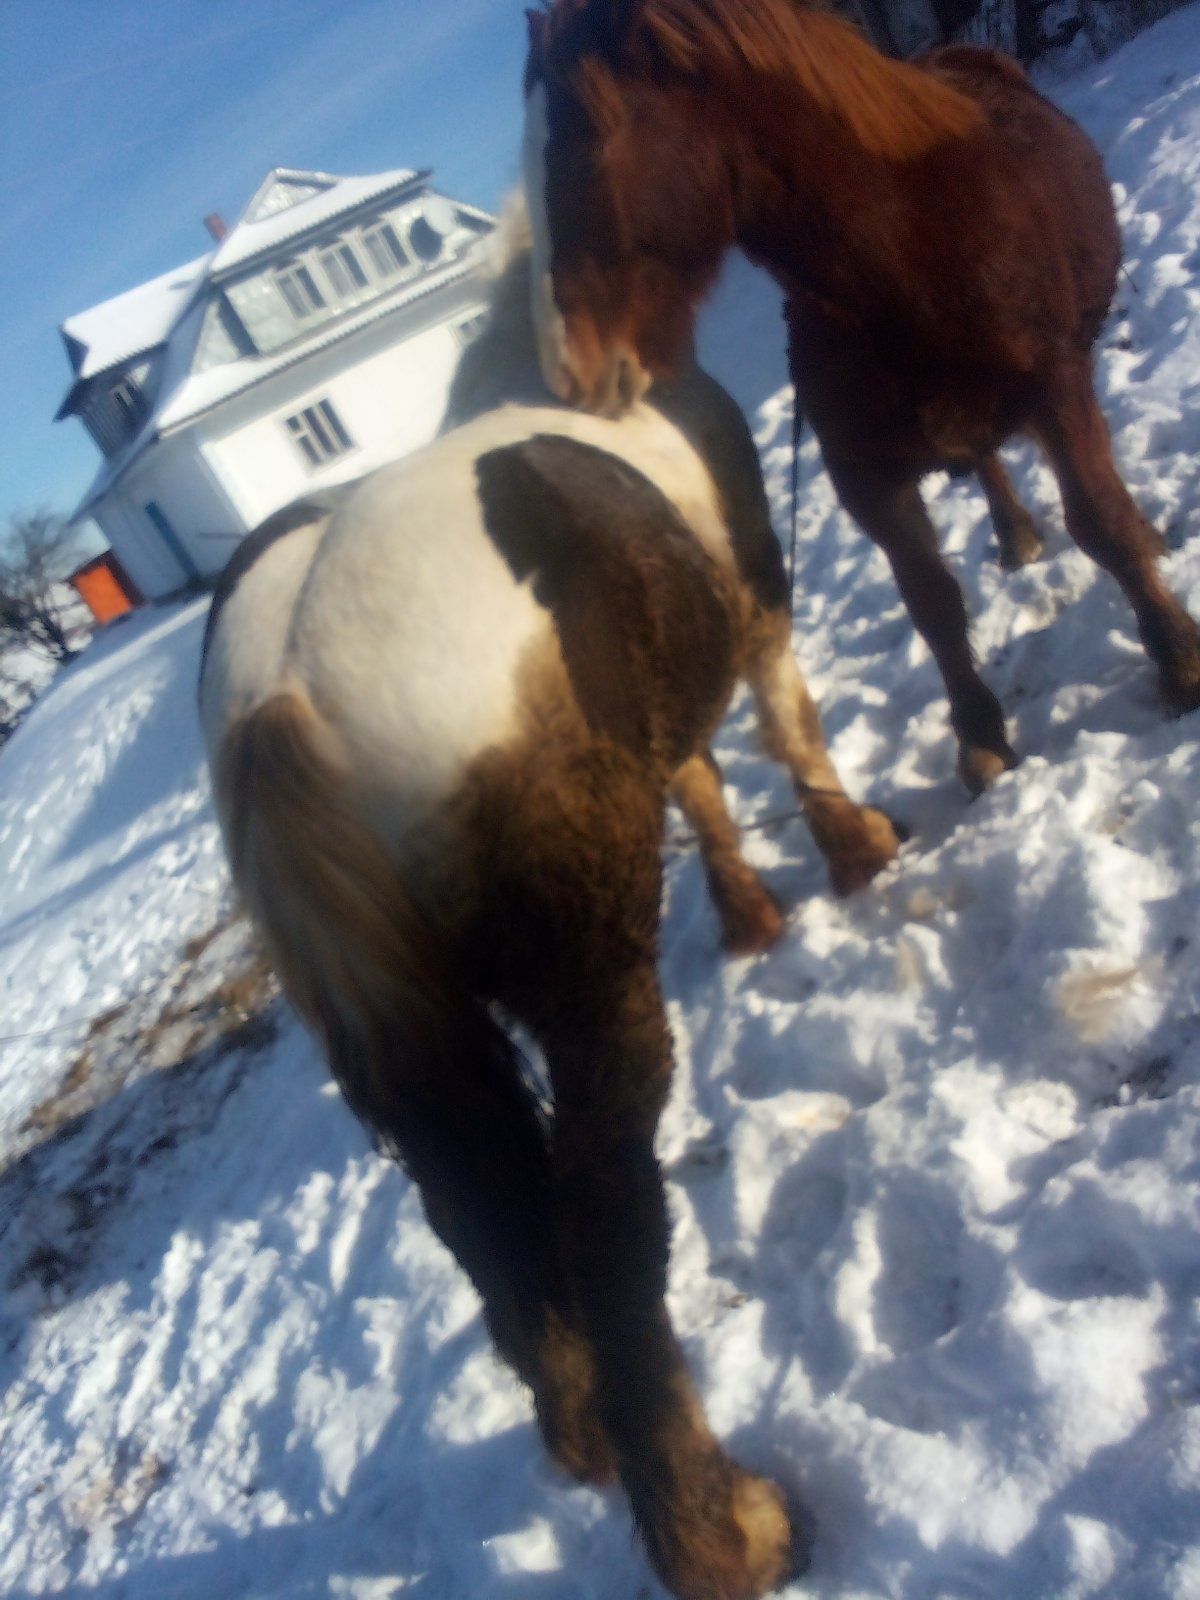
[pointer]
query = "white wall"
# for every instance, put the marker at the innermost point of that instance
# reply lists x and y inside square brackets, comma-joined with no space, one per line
[175,476]
[389,395]
[137,548]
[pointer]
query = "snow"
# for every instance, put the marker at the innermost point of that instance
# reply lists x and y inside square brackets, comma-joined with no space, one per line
[136,321]
[934,1163]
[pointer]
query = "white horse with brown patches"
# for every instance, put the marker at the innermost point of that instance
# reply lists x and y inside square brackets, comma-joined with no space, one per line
[444,710]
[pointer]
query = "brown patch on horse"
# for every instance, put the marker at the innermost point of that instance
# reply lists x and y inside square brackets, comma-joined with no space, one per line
[645,617]
[413,1047]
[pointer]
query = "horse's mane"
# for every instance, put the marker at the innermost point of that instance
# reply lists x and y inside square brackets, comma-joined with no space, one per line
[501,364]
[891,108]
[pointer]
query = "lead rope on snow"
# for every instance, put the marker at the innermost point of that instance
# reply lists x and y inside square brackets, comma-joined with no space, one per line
[797,430]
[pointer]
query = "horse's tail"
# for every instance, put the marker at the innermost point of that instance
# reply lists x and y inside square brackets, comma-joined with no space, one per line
[366,970]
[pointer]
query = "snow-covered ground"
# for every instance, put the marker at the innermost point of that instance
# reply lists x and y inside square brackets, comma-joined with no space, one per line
[934,1162]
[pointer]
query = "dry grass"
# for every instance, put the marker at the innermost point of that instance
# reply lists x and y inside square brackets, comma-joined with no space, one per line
[219,993]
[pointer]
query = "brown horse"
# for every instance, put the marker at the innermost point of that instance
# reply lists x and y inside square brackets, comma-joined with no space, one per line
[444,709]
[946,241]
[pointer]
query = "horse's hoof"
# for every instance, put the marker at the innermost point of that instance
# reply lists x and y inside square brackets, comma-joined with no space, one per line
[860,858]
[979,767]
[1022,550]
[777,1549]
[750,923]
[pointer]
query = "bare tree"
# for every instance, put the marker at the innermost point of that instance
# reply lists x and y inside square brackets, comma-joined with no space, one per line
[43,623]
[39,612]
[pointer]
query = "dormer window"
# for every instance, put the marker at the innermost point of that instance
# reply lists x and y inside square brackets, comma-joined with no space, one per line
[425,240]
[344,270]
[127,397]
[388,255]
[299,288]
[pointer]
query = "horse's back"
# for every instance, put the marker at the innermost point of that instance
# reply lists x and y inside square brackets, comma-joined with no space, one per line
[1057,180]
[416,613]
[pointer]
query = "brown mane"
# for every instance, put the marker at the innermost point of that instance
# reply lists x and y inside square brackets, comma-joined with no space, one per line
[890,108]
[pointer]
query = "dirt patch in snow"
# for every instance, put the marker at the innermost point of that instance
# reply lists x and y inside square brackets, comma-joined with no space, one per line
[131,1094]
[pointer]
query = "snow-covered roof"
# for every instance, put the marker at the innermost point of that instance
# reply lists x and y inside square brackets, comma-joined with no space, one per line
[133,322]
[141,319]
[321,198]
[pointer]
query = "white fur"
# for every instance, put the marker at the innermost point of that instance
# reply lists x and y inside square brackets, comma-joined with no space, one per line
[247,651]
[401,621]
[547,318]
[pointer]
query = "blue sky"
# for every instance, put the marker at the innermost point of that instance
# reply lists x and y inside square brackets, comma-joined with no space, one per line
[123,122]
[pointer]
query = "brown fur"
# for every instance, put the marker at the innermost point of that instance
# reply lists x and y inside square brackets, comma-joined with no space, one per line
[947,243]
[554,843]
[886,105]
[645,617]
[750,917]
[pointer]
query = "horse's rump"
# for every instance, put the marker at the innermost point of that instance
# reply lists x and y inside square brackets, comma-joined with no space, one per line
[644,615]
[375,976]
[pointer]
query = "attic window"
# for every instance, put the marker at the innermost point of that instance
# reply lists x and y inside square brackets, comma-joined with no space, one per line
[298,287]
[344,270]
[425,239]
[319,433]
[282,194]
[130,402]
[388,255]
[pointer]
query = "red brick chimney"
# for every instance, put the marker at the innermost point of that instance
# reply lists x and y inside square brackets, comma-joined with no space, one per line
[216,225]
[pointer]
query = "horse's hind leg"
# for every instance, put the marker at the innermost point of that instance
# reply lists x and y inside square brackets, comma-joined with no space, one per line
[577,885]
[750,918]
[713,1532]
[469,1134]
[1104,522]
[856,841]
[1016,532]
[891,511]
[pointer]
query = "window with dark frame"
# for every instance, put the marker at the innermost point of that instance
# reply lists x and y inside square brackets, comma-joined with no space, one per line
[388,255]
[319,433]
[130,402]
[299,289]
[344,270]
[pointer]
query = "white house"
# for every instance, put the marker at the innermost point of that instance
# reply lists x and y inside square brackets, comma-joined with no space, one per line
[315,340]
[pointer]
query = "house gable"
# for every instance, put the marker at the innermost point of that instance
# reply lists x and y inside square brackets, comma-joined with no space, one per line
[283,188]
